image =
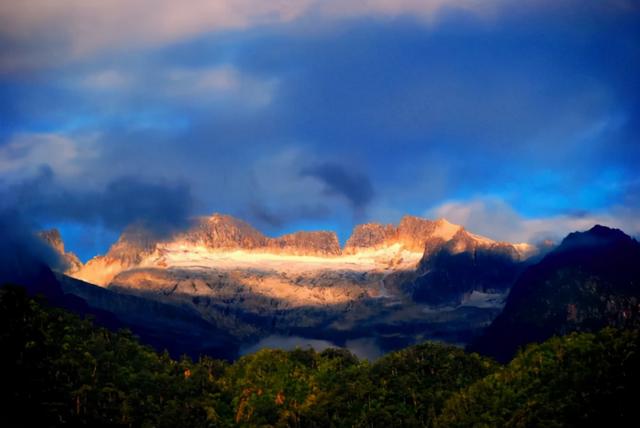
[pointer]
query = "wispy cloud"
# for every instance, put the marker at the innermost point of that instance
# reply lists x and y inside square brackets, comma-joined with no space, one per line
[77,28]
[107,80]
[24,154]
[198,86]
[220,84]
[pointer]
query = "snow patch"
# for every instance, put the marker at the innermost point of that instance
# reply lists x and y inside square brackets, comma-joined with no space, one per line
[185,255]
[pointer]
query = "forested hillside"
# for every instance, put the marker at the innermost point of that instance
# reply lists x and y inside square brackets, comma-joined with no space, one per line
[62,370]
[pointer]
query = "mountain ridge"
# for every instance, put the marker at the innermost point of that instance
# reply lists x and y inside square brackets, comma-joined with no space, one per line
[254,286]
[591,280]
[224,233]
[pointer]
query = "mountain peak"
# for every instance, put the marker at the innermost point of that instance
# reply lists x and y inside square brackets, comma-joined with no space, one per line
[370,236]
[588,282]
[597,236]
[412,233]
[223,231]
[415,233]
[608,232]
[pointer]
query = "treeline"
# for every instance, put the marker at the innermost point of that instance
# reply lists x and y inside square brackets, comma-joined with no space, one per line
[58,369]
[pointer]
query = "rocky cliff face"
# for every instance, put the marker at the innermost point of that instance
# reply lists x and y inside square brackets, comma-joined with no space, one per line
[225,233]
[413,234]
[370,236]
[318,243]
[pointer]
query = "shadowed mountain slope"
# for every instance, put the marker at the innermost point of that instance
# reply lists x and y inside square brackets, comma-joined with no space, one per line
[590,281]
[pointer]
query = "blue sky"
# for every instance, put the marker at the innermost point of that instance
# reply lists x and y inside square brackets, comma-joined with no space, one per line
[518,119]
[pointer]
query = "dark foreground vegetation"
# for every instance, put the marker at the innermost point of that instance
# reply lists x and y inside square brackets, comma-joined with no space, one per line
[58,369]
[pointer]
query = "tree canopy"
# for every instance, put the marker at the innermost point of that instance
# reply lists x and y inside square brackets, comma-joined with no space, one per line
[60,370]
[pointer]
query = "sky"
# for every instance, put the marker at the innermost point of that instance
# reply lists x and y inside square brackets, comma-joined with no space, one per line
[519,120]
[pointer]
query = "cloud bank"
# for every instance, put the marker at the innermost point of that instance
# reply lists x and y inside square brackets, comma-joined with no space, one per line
[495,218]
[320,114]
[80,27]
[160,208]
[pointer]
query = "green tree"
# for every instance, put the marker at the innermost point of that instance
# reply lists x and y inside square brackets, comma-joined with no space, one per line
[577,380]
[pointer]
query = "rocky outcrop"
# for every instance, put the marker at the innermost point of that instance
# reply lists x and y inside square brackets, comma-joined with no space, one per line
[412,233]
[318,243]
[370,236]
[225,233]
[132,246]
[54,239]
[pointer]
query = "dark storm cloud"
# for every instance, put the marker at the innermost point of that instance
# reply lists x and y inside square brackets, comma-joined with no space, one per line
[343,181]
[528,84]
[161,208]
[537,105]
[262,215]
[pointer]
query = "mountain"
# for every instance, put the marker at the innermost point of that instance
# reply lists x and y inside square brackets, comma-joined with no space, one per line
[223,232]
[178,329]
[413,233]
[590,281]
[380,287]
[466,264]
[219,237]
[218,233]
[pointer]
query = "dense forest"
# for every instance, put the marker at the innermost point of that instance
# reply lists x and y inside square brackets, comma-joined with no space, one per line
[59,369]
